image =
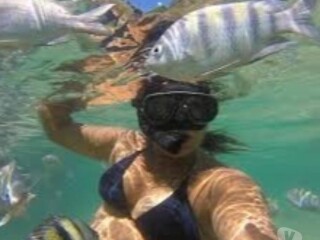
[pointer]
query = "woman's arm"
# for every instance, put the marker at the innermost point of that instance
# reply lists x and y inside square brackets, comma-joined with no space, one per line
[240,211]
[93,141]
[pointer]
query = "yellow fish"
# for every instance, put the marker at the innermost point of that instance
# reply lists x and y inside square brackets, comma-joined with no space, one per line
[63,228]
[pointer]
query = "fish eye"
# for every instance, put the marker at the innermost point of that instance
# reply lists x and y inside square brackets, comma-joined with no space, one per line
[157,49]
[6,198]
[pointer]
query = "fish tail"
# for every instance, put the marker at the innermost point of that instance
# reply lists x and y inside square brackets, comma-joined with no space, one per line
[91,28]
[96,14]
[92,21]
[297,18]
[5,219]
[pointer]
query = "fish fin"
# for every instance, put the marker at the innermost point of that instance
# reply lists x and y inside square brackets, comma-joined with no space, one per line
[95,14]
[5,179]
[276,45]
[45,228]
[21,207]
[302,23]
[59,40]
[8,41]
[277,5]
[219,72]
[30,196]
[95,28]
[10,168]
[69,5]
[5,219]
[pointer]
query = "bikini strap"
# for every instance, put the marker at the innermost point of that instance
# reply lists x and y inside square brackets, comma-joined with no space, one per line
[124,163]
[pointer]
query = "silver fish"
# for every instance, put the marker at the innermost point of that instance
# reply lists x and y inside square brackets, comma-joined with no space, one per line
[29,23]
[304,199]
[215,39]
[51,160]
[14,192]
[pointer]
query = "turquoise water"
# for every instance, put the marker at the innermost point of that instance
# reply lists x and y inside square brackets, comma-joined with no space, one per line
[277,117]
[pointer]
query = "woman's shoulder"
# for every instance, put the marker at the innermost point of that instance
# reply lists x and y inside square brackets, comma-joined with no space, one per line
[227,172]
[229,176]
[222,181]
[223,177]
[129,142]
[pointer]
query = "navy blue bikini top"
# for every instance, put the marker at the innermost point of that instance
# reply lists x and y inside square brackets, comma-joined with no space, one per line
[172,219]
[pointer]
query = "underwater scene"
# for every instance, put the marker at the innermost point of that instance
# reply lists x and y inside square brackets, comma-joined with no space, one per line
[269,104]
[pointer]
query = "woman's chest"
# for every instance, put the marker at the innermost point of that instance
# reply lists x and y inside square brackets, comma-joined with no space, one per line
[146,188]
[185,198]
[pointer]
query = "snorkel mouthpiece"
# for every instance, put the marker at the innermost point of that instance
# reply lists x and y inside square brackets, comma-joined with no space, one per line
[170,141]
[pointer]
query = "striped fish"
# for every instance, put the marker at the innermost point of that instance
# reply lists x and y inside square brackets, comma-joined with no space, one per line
[304,199]
[215,39]
[63,228]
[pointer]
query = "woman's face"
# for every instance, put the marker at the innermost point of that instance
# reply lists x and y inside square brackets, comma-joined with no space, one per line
[175,121]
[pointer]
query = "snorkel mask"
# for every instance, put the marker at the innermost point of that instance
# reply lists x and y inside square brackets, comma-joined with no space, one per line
[179,110]
[167,110]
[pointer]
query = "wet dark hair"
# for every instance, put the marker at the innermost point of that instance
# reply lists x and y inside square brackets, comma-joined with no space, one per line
[214,141]
[155,84]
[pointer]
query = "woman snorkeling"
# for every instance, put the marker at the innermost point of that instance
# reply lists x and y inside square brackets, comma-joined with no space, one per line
[164,182]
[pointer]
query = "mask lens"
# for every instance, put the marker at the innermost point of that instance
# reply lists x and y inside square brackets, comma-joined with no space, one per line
[202,108]
[162,108]
[159,109]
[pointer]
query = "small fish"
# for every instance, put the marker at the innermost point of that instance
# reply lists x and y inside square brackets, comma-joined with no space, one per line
[51,160]
[214,40]
[304,199]
[30,23]
[14,192]
[63,228]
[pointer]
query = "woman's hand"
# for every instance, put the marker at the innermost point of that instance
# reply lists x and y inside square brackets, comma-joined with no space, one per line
[252,232]
[71,96]
[55,114]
